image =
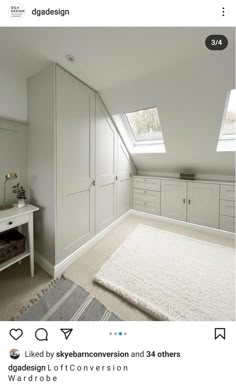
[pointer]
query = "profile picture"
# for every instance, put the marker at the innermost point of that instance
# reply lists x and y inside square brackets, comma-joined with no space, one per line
[14,353]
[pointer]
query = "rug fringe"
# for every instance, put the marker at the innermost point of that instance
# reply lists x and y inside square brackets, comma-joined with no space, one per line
[38,296]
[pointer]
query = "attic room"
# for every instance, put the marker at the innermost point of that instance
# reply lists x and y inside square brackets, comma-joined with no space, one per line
[117,174]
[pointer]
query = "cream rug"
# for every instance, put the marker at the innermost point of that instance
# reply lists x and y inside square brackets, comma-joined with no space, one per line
[173,277]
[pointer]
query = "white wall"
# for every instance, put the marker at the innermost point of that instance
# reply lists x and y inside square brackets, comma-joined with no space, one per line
[13,155]
[190,98]
[13,95]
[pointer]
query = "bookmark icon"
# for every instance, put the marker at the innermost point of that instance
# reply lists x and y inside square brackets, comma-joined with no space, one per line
[67,332]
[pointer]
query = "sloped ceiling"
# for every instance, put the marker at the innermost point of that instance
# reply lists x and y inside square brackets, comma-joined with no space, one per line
[134,68]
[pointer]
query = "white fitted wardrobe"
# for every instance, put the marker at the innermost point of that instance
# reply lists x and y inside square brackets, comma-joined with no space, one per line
[206,203]
[79,169]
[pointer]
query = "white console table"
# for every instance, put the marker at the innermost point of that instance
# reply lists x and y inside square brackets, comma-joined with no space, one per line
[16,217]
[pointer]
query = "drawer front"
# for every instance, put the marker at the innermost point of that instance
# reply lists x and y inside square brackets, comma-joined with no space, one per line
[145,195]
[146,183]
[227,192]
[152,208]
[14,222]
[227,223]
[227,207]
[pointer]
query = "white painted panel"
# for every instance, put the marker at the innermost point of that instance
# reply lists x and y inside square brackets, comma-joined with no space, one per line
[76,212]
[105,168]
[75,163]
[105,206]
[123,196]
[227,223]
[173,199]
[13,155]
[124,180]
[227,192]
[203,204]
[227,207]
[13,93]
[41,159]
[73,132]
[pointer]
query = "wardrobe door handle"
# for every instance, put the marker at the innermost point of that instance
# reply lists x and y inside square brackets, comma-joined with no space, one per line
[184,201]
[189,201]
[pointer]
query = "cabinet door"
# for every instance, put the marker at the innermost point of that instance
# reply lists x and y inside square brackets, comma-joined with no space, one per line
[203,204]
[173,199]
[75,163]
[124,179]
[105,168]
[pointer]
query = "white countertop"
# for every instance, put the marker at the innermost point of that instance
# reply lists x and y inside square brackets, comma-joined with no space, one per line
[15,211]
[196,180]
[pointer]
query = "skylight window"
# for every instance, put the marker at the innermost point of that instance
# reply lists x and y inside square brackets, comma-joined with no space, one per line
[227,138]
[145,125]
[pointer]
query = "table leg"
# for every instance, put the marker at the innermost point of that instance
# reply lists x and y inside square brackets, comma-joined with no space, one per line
[31,244]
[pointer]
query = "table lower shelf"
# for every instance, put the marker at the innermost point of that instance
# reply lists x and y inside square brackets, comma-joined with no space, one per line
[11,261]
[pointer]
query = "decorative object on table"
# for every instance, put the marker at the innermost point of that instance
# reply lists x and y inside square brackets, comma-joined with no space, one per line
[187,176]
[20,194]
[8,176]
[12,243]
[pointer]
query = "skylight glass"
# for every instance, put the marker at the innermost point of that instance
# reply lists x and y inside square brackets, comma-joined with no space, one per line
[227,138]
[145,125]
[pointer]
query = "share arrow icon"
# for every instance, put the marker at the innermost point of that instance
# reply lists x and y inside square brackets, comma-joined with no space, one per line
[67,332]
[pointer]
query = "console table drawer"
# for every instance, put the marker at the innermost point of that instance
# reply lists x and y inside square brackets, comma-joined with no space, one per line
[227,207]
[13,222]
[227,192]
[146,183]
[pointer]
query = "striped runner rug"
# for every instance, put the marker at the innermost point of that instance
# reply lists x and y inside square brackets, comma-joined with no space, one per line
[67,301]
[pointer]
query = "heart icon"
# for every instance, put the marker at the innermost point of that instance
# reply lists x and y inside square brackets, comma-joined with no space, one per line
[16,333]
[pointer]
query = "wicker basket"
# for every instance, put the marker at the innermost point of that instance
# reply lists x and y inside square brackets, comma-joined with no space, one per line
[12,243]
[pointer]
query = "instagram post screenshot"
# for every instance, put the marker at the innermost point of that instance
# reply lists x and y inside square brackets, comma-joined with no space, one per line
[117,193]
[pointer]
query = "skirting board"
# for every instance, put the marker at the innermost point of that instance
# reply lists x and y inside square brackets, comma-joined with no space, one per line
[198,227]
[56,271]
[44,263]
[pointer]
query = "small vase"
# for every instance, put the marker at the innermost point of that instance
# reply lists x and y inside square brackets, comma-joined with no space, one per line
[21,203]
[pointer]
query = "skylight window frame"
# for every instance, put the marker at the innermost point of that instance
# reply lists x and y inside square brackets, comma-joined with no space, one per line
[226,141]
[131,134]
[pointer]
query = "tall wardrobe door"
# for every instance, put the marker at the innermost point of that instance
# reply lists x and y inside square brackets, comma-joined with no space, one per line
[106,137]
[75,163]
[124,179]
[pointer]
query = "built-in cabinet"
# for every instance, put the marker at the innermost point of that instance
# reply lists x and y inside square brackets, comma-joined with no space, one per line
[106,168]
[227,207]
[79,168]
[173,199]
[75,162]
[202,202]
[146,195]
[205,203]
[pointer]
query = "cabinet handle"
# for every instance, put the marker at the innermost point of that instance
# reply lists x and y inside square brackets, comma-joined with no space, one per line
[10,223]
[189,201]
[116,177]
[93,183]
[184,200]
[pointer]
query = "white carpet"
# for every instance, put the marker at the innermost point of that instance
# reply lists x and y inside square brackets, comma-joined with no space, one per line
[171,276]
